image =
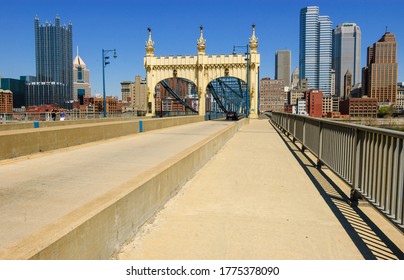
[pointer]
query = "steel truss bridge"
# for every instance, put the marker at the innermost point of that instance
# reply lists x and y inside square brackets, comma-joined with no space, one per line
[224,94]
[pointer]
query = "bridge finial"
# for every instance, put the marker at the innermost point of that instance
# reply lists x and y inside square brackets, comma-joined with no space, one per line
[149,44]
[253,41]
[201,42]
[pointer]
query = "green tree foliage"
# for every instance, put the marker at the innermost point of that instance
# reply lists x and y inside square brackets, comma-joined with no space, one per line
[386,111]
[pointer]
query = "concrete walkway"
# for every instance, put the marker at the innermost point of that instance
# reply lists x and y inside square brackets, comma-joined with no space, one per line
[37,190]
[256,199]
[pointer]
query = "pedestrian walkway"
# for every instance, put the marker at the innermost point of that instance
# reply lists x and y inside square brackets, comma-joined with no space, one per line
[261,198]
[40,189]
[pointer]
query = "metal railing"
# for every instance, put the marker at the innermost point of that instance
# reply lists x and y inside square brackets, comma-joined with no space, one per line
[46,116]
[370,160]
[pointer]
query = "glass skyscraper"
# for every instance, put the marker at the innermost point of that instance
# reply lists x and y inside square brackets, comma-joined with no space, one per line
[54,65]
[315,56]
[346,55]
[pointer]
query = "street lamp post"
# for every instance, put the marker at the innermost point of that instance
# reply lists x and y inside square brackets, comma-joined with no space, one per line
[104,64]
[248,76]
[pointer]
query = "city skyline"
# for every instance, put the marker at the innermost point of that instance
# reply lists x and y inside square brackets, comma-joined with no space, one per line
[175,24]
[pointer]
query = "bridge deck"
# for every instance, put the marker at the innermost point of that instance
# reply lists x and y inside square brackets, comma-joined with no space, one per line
[261,198]
[37,190]
[258,198]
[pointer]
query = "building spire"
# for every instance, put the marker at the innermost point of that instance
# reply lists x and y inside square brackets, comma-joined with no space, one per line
[149,44]
[201,42]
[253,41]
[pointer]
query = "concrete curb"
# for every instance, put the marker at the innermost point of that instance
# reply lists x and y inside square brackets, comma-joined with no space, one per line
[16,143]
[98,229]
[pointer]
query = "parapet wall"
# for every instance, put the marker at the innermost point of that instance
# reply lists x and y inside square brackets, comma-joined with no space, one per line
[16,143]
[98,229]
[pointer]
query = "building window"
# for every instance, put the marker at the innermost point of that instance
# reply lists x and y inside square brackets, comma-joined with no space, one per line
[79,74]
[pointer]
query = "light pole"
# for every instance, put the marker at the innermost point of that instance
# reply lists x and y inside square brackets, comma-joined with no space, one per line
[248,76]
[104,64]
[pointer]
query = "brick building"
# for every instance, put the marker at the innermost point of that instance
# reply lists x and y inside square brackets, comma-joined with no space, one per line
[314,103]
[6,101]
[359,107]
[272,95]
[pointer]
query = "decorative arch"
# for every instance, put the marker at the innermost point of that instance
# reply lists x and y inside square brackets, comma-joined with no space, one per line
[201,69]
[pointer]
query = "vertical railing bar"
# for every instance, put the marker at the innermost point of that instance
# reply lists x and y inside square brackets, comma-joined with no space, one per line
[390,168]
[400,190]
[320,141]
[351,156]
[341,152]
[395,185]
[372,164]
[373,170]
[385,167]
[346,164]
[304,134]
[368,162]
[378,171]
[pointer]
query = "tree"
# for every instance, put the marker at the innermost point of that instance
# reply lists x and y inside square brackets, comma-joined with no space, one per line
[385,111]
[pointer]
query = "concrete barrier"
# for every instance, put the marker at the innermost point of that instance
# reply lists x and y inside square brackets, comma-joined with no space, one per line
[98,229]
[42,124]
[15,143]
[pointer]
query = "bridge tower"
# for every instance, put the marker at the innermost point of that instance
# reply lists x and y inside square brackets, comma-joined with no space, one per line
[201,69]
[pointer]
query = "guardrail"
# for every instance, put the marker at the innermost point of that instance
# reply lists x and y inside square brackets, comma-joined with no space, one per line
[16,117]
[370,160]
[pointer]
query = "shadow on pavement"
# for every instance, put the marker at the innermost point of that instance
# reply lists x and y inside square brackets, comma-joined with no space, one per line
[367,236]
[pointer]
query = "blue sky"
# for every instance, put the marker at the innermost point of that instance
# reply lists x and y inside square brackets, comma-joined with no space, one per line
[122,24]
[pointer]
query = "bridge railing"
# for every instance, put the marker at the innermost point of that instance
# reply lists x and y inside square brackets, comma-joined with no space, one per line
[370,160]
[47,116]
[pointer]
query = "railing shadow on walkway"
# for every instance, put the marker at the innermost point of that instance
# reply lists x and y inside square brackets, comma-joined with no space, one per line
[367,236]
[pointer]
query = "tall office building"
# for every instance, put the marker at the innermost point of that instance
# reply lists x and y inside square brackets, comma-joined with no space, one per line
[295,78]
[315,56]
[17,87]
[380,74]
[54,65]
[6,101]
[346,55]
[347,85]
[135,93]
[282,66]
[81,79]
[272,95]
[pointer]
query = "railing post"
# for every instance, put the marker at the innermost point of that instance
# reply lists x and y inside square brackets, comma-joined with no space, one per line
[304,135]
[320,146]
[355,195]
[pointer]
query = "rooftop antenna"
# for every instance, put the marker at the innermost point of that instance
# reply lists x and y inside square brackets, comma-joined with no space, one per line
[386,28]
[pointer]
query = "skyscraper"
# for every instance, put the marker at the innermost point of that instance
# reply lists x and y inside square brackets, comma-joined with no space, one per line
[315,56]
[346,55]
[380,74]
[295,77]
[54,65]
[282,66]
[81,79]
